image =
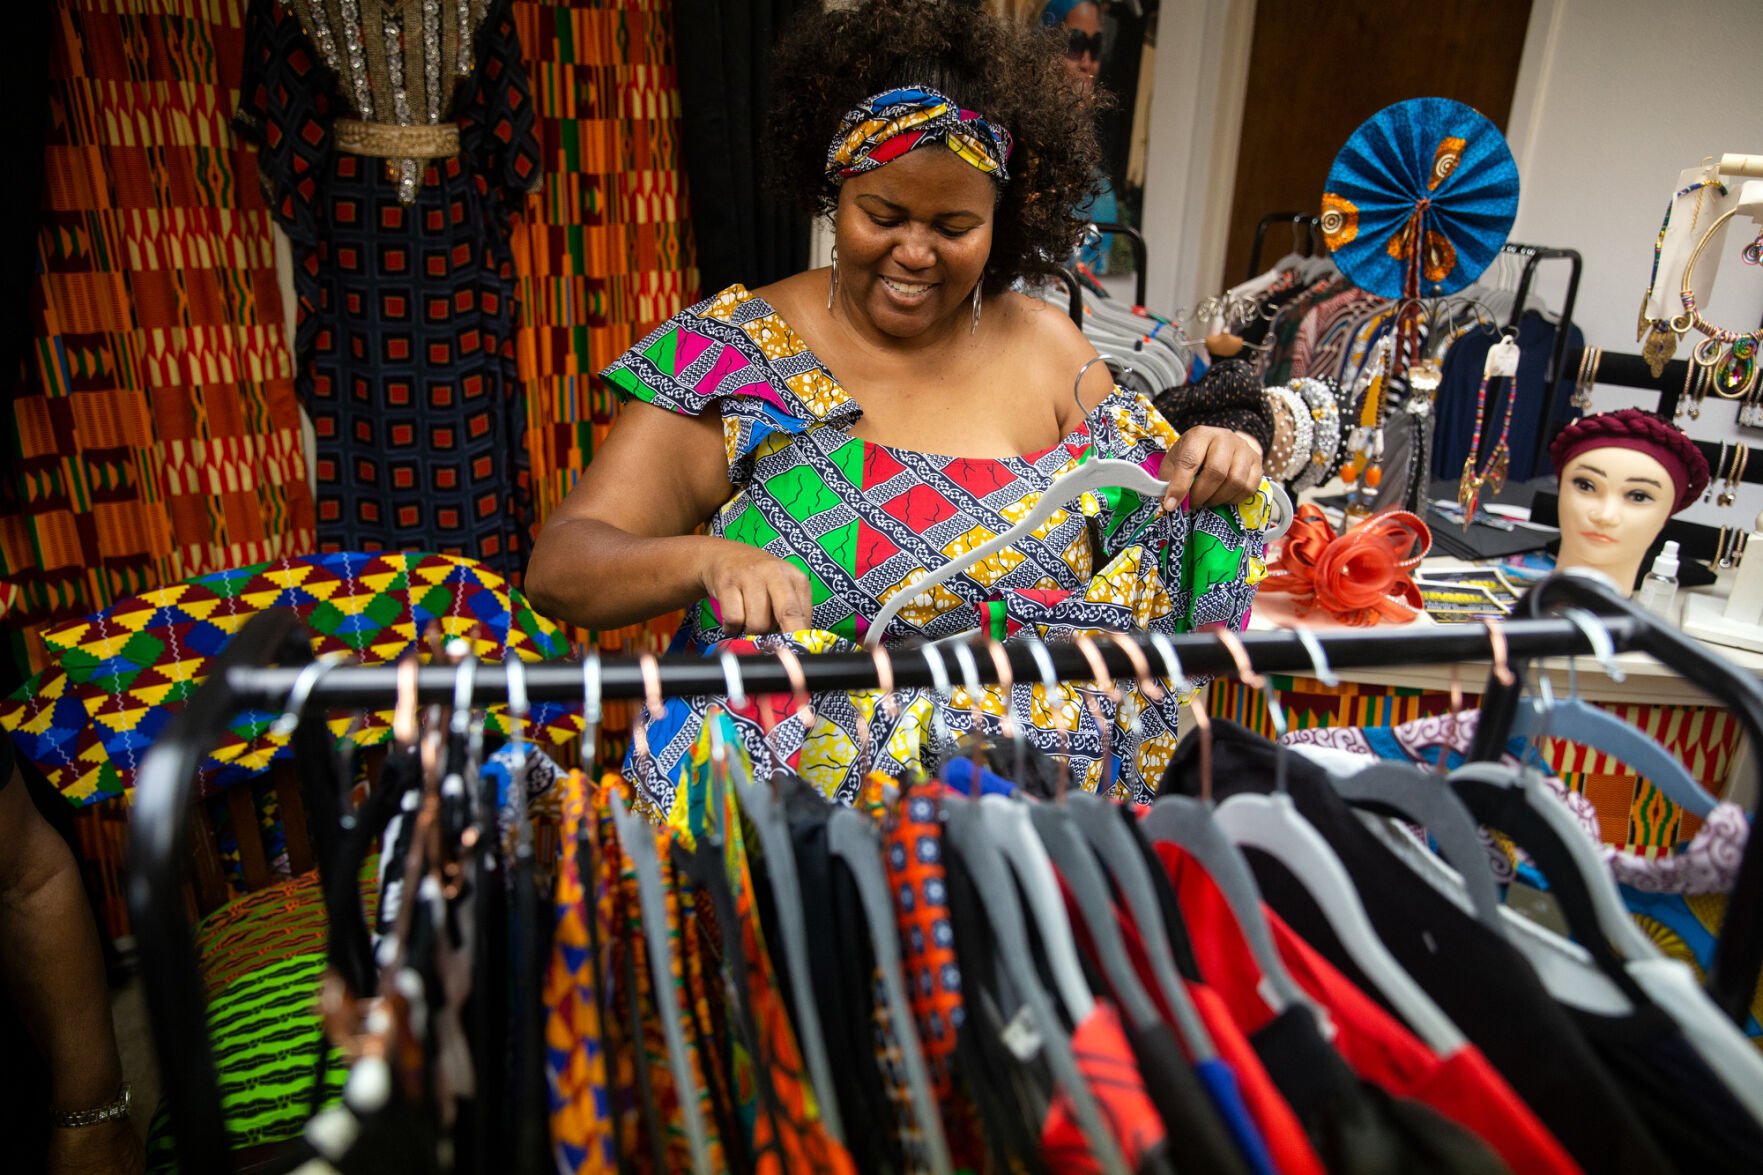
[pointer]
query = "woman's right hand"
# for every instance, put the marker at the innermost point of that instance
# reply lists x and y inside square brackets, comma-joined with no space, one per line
[757,592]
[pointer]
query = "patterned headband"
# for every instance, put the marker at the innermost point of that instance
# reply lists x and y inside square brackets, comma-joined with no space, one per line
[886,126]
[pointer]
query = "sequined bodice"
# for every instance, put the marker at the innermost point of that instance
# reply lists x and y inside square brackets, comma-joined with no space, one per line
[396,61]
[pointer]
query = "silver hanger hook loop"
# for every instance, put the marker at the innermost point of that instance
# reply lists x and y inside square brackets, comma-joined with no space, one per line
[1603,646]
[731,678]
[591,707]
[1318,658]
[299,693]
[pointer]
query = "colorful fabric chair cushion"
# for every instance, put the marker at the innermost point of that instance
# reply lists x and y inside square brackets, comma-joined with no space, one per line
[121,674]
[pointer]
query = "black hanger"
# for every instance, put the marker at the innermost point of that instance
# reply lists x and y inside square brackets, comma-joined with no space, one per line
[171,976]
[1738,953]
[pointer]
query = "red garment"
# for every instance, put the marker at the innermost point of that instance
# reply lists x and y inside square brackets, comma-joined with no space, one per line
[1287,1144]
[1105,1060]
[1462,1087]
[1280,1128]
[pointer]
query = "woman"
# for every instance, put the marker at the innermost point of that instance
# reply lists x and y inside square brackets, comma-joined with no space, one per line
[1079,22]
[804,422]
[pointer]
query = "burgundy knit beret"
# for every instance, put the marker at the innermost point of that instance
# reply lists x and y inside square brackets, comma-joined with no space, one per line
[1631,428]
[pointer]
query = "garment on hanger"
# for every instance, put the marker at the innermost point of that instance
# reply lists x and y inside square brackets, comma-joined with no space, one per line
[1536,409]
[404,348]
[1591,1083]
[1462,1089]
[863,520]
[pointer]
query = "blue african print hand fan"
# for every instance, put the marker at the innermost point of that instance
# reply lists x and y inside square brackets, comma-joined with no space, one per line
[1420,199]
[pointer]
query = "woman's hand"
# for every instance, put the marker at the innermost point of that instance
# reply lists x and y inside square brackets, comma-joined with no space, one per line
[1211,467]
[757,592]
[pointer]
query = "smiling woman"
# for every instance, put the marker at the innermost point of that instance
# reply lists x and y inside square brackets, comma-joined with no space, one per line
[838,434]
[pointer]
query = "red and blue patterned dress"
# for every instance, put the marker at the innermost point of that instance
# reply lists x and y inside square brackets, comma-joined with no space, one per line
[404,348]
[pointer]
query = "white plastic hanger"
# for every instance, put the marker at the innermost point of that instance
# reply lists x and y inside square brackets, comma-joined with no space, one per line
[1086,478]
[1274,825]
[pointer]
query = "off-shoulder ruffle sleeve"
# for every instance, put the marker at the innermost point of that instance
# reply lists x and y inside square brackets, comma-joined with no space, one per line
[732,354]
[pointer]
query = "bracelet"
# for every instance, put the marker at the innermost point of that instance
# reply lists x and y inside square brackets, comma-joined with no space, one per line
[1732,356]
[1279,454]
[1325,415]
[1303,432]
[106,1113]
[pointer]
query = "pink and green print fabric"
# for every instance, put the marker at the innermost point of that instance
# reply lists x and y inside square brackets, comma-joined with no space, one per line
[863,521]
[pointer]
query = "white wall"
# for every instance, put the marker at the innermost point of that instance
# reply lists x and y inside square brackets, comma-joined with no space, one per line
[1614,98]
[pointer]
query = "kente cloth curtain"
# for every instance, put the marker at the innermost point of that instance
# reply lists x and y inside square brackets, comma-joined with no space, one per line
[154,434]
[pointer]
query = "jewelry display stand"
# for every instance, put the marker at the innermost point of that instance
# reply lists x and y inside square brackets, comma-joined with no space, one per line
[1737,621]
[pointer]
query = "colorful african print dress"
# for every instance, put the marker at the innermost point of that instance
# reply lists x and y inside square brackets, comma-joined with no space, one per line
[864,521]
[402,266]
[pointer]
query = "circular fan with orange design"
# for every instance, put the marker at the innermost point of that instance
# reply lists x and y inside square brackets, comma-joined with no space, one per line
[1420,200]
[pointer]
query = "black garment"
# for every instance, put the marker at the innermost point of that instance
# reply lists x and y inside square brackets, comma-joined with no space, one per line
[841,969]
[1011,1096]
[1532,413]
[1357,1128]
[1474,975]
[1187,1113]
[723,50]
[1182,1103]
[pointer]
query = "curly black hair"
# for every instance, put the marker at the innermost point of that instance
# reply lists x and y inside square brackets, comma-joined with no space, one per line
[1012,74]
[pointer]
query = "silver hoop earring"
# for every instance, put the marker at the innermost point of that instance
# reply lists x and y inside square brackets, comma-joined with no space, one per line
[832,285]
[976,290]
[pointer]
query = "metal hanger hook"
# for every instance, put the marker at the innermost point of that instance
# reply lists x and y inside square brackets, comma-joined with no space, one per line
[731,678]
[1054,695]
[1141,665]
[941,687]
[1172,669]
[592,692]
[1603,645]
[1318,658]
[976,692]
[1497,646]
[299,693]
[464,687]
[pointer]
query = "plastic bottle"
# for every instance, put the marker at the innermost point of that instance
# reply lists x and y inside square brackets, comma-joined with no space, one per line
[1659,588]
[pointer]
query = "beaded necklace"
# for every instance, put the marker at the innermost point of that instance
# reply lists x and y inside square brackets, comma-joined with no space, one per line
[1660,337]
[1502,361]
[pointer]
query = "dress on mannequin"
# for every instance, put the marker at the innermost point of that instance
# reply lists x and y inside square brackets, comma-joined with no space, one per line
[394,150]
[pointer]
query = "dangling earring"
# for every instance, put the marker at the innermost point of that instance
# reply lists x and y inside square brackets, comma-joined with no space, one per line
[832,285]
[976,288]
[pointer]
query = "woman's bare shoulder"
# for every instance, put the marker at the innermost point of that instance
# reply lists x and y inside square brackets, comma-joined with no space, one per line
[1049,349]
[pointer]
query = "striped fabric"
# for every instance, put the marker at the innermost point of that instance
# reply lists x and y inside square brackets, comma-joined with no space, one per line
[155,434]
[263,958]
[1632,814]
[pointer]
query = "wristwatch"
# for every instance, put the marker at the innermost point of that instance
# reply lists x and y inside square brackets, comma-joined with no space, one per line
[107,1113]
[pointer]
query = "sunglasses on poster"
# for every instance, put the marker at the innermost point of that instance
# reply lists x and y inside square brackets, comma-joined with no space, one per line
[1079,43]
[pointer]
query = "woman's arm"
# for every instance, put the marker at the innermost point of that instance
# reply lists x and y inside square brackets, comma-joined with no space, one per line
[54,973]
[621,547]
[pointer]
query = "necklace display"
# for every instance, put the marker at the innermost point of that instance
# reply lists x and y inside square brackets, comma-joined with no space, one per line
[1363,471]
[1660,335]
[1502,363]
[1731,357]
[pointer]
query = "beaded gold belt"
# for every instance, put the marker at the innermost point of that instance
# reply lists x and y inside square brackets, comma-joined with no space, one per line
[390,140]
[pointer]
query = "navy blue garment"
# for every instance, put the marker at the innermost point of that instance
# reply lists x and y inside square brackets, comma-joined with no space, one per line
[1456,399]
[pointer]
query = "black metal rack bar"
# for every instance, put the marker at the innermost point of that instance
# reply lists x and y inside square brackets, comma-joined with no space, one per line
[1201,654]
[1141,255]
[245,677]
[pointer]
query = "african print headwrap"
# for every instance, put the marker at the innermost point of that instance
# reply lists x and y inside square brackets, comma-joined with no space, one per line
[887,125]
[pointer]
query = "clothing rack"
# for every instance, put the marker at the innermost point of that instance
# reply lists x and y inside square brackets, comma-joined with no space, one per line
[1534,255]
[267,666]
[1140,255]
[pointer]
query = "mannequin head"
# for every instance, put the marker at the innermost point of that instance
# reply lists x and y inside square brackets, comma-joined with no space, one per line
[1622,475]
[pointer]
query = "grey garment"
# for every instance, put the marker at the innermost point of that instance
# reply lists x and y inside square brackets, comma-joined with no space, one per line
[764,808]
